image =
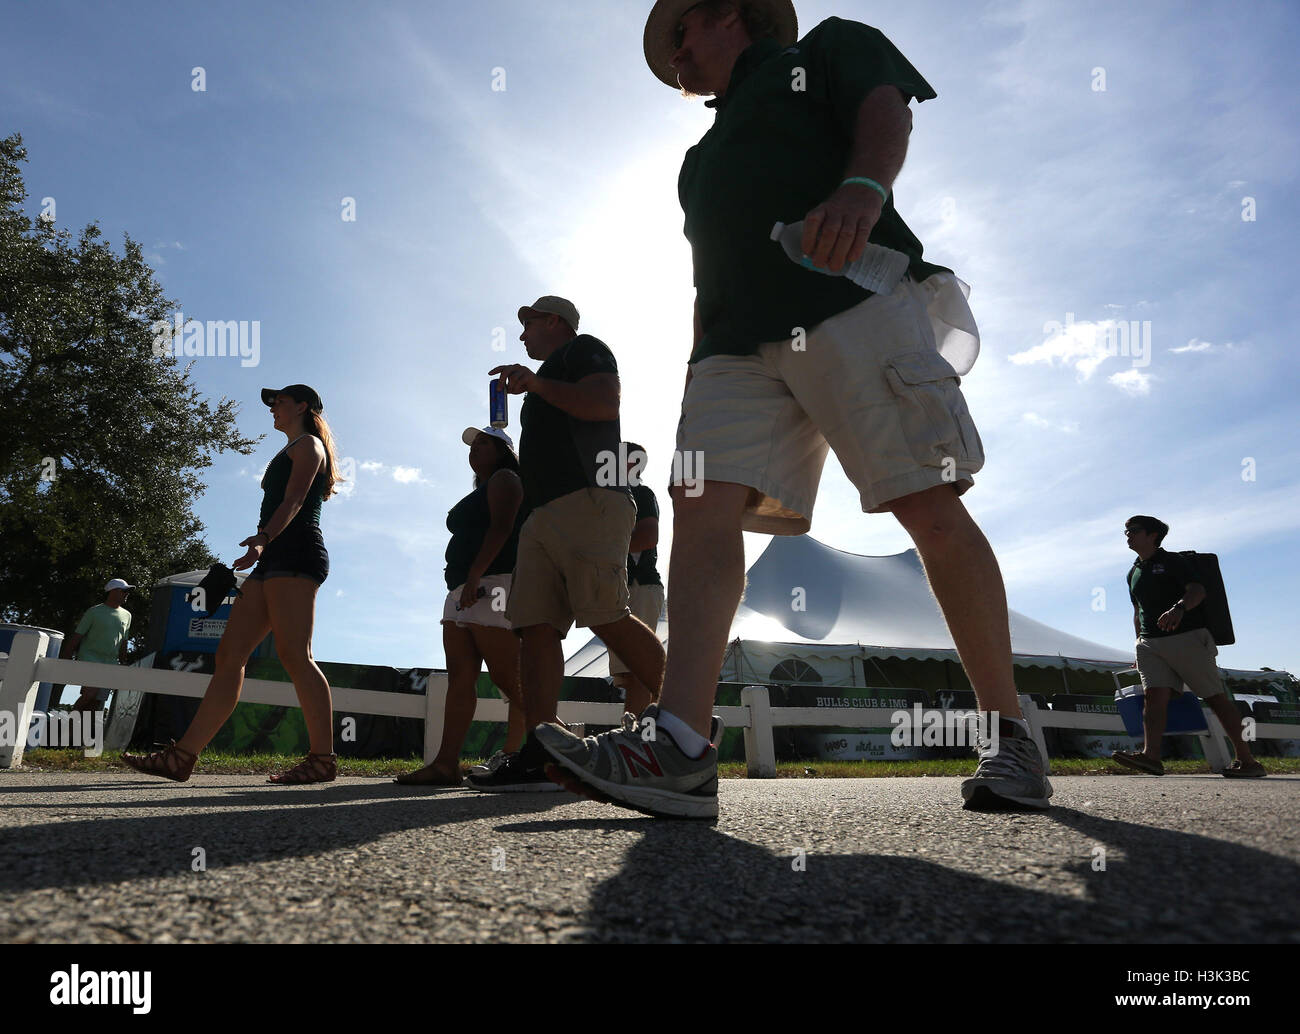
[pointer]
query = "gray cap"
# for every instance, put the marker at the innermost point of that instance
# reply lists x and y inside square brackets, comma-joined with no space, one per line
[550,305]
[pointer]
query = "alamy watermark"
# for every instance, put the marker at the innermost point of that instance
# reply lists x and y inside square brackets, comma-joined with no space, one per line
[1130,339]
[108,987]
[183,338]
[929,727]
[57,730]
[622,469]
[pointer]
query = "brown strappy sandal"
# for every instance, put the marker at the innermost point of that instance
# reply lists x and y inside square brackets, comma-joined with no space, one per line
[314,768]
[171,762]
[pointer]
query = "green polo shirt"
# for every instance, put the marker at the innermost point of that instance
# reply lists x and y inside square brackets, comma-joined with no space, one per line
[1155,585]
[774,153]
[102,629]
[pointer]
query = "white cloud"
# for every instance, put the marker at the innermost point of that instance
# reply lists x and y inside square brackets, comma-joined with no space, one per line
[1197,345]
[1086,345]
[402,475]
[1034,420]
[1132,382]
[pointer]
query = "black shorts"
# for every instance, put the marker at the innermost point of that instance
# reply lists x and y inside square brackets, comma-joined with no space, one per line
[297,553]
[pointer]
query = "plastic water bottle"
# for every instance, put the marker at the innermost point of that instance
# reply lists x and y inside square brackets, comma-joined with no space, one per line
[879,269]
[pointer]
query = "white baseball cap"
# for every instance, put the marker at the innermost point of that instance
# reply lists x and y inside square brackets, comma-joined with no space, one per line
[495,432]
[117,583]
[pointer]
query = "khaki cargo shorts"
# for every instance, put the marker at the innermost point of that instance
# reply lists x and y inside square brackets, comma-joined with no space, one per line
[1185,657]
[646,603]
[869,383]
[571,565]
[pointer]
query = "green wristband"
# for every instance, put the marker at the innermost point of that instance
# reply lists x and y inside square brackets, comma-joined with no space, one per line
[884,194]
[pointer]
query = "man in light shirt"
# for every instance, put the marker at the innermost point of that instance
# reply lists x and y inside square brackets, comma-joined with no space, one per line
[101,638]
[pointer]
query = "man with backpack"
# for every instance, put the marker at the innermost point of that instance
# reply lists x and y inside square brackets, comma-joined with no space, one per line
[1174,648]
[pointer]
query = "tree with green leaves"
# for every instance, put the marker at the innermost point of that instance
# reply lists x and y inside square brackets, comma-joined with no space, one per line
[101,441]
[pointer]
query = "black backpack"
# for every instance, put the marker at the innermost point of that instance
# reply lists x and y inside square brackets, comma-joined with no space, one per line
[1218,619]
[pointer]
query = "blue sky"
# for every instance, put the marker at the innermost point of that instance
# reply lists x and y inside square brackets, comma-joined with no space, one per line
[1061,203]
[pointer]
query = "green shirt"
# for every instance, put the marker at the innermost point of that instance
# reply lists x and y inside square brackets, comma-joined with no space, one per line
[559,454]
[102,629]
[1155,585]
[775,153]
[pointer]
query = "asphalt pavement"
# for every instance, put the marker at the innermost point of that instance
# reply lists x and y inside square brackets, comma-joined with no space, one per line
[121,857]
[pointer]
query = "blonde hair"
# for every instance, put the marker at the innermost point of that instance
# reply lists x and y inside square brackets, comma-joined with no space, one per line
[316,424]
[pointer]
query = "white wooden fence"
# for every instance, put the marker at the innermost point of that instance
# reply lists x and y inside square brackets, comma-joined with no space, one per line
[25,669]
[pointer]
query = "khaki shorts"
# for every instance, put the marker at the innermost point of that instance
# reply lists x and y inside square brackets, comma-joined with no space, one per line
[1186,657]
[869,383]
[647,603]
[571,565]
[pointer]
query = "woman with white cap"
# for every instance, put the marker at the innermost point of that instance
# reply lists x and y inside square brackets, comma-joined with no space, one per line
[278,596]
[484,530]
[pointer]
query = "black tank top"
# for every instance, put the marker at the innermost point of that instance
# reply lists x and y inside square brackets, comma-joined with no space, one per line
[276,480]
[468,521]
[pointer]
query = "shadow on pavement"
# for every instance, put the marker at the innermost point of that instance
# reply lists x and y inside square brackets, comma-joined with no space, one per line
[687,881]
[180,795]
[74,853]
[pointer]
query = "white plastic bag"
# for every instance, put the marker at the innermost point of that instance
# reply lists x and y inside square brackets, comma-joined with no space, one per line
[956,336]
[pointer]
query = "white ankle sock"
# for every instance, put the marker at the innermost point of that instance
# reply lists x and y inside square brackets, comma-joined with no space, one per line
[692,744]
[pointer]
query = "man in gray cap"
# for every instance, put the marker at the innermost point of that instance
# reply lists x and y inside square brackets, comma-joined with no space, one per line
[101,637]
[571,564]
[789,362]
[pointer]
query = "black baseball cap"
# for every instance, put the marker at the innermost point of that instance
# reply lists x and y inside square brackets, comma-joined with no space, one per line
[297,392]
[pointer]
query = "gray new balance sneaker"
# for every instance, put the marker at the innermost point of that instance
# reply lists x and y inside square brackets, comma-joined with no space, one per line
[1011,776]
[638,766]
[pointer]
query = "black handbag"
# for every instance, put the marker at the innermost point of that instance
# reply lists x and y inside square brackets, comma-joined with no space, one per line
[212,591]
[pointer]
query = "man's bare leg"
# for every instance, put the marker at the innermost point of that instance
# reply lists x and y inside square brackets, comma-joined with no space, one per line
[966,580]
[639,648]
[541,672]
[706,577]
[636,696]
[1230,718]
[1155,713]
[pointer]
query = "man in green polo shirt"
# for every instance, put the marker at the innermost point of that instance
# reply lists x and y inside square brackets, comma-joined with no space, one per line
[1174,648]
[788,363]
[101,639]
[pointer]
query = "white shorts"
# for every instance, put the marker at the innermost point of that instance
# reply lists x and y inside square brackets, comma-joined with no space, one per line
[489,611]
[871,383]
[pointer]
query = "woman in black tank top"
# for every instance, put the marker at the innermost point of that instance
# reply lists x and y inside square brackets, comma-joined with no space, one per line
[278,596]
[484,530]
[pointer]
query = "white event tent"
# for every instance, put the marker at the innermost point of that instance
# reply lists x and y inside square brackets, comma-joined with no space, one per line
[815,614]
